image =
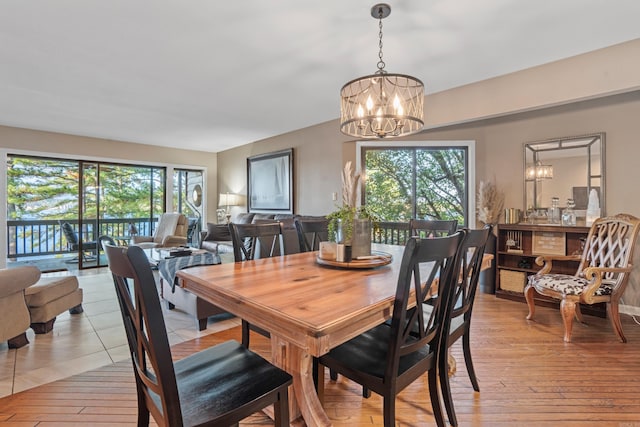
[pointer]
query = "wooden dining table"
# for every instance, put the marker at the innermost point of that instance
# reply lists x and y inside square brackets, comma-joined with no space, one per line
[307,308]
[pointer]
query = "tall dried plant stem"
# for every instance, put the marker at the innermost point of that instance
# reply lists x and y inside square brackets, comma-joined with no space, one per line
[349,185]
[490,203]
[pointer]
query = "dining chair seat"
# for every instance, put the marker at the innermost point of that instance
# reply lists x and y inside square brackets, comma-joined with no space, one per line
[222,381]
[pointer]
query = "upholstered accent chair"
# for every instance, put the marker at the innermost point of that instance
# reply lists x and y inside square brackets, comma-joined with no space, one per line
[602,274]
[170,231]
[28,300]
[14,313]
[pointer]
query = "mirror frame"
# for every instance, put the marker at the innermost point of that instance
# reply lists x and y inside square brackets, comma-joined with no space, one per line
[586,141]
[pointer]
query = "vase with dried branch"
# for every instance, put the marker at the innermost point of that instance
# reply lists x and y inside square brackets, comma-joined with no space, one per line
[490,203]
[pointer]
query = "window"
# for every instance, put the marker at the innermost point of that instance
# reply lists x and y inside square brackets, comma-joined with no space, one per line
[427,180]
[94,198]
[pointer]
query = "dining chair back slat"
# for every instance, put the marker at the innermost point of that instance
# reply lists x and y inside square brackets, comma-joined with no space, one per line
[252,241]
[425,228]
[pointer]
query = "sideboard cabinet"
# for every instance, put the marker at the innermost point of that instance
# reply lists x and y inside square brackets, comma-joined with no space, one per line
[518,247]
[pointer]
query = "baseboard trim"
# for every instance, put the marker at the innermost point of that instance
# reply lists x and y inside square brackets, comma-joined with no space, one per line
[629,309]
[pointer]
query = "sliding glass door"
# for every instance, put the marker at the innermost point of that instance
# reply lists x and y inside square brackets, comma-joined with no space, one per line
[120,201]
[58,209]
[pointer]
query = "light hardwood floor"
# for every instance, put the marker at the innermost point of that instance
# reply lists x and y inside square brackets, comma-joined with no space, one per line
[528,377]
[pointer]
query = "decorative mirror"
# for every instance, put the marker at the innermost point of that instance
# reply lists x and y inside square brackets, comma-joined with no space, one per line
[196,196]
[564,168]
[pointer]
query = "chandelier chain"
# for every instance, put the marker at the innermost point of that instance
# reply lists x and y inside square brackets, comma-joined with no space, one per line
[381,63]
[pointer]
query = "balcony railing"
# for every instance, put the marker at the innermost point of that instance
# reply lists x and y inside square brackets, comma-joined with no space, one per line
[45,237]
[392,233]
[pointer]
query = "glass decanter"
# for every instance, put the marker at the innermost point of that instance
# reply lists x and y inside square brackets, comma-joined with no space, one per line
[569,214]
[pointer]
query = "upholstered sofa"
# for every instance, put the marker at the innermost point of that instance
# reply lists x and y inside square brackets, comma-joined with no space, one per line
[217,238]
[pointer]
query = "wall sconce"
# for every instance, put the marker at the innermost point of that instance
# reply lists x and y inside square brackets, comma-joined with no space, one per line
[227,200]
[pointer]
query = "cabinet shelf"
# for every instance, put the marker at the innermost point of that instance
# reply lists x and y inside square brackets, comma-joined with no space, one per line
[535,240]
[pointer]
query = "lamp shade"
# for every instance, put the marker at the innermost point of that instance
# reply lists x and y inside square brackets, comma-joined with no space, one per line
[228,199]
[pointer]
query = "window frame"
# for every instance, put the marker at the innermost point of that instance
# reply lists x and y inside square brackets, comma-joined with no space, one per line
[468,145]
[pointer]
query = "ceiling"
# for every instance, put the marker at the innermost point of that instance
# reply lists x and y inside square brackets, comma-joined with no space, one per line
[211,75]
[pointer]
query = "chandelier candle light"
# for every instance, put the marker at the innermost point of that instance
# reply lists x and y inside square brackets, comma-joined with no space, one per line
[539,171]
[382,104]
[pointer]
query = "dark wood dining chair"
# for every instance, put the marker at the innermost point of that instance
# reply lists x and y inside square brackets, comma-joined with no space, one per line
[424,228]
[387,359]
[254,241]
[311,232]
[470,259]
[220,385]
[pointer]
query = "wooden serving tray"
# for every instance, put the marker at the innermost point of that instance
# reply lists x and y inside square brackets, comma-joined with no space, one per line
[381,258]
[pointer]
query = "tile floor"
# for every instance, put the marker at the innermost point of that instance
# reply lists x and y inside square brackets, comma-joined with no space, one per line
[95,338]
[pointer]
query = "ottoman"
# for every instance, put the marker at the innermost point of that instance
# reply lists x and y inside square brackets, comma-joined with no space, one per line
[51,296]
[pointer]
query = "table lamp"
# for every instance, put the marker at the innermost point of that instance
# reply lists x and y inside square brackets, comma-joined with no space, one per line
[227,200]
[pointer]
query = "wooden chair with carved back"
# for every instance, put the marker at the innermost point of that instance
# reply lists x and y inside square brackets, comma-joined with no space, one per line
[602,275]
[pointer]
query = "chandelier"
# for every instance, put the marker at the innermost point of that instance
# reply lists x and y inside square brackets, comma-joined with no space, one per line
[538,172]
[382,104]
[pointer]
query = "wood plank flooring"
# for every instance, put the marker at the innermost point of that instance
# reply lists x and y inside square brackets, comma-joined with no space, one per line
[528,377]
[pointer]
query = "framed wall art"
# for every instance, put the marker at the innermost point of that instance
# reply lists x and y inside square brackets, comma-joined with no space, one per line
[270,182]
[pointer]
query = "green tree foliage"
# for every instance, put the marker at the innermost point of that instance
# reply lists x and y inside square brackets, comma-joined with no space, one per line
[41,188]
[48,189]
[425,182]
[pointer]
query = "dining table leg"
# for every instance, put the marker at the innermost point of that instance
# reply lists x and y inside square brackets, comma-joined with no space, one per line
[299,364]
